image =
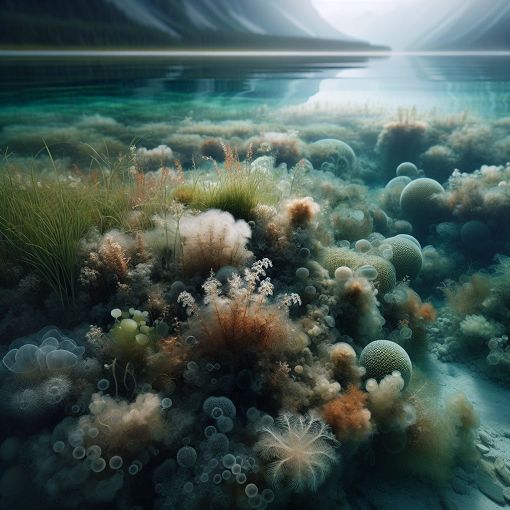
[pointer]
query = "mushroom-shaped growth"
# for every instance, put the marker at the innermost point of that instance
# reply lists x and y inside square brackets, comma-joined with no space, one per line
[383,357]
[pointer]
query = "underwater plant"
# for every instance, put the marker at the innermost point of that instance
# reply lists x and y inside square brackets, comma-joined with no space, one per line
[300,451]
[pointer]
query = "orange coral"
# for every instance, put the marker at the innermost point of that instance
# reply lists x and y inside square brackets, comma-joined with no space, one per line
[348,416]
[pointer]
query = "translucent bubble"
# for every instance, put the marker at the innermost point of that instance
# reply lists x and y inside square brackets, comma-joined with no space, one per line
[116,462]
[133,469]
[103,384]
[363,245]
[75,408]
[255,502]
[79,452]
[236,469]
[217,478]
[241,478]
[267,495]
[94,451]
[210,430]
[367,271]
[204,477]
[228,460]
[302,273]
[187,488]
[166,403]
[304,253]
[251,490]
[406,333]
[75,438]
[58,446]
[216,413]
[226,474]
[98,465]
[93,432]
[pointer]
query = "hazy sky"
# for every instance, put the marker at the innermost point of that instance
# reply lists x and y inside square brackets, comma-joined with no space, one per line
[407,23]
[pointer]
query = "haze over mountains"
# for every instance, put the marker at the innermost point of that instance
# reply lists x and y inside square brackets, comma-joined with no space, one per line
[210,24]
[423,24]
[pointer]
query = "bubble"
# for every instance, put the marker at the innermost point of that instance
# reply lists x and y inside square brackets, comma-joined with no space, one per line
[216,413]
[187,488]
[116,313]
[367,271]
[256,501]
[226,474]
[251,490]
[363,245]
[241,478]
[302,273]
[93,432]
[79,452]
[116,462]
[217,478]
[58,446]
[94,451]
[267,495]
[218,443]
[236,469]
[186,456]
[210,430]
[75,438]
[133,469]
[304,253]
[228,460]
[406,333]
[166,403]
[98,465]
[75,408]
[204,477]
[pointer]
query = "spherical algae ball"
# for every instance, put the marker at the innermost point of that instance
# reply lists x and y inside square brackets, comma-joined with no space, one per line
[333,258]
[408,169]
[382,357]
[334,155]
[407,257]
[418,200]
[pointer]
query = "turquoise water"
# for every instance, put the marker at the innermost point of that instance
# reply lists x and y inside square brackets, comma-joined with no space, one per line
[374,193]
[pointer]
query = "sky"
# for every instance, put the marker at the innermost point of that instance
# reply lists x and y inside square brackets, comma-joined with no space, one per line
[405,24]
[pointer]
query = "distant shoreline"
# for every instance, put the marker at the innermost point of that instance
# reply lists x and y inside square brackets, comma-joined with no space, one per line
[239,53]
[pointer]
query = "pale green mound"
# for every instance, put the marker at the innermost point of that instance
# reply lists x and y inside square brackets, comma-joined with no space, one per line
[418,200]
[382,357]
[333,155]
[332,258]
[408,169]
[407,258]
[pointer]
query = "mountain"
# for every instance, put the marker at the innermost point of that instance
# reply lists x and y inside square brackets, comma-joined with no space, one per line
[472,25]
[210,24]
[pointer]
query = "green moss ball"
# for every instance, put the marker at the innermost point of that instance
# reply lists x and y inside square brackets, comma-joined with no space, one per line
[407,257]
[408,169]
[382,357]
[418,200]
[333,258]
[333,155]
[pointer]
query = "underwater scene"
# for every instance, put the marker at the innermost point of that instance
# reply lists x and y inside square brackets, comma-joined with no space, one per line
[260,282]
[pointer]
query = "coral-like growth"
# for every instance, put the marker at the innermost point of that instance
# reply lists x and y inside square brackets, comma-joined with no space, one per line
[420,201]
[122,426]
[299,212]
[383,357]
[407,257]
[332,155]
[243,319]
[211,240]
[300,451]
[348,415]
